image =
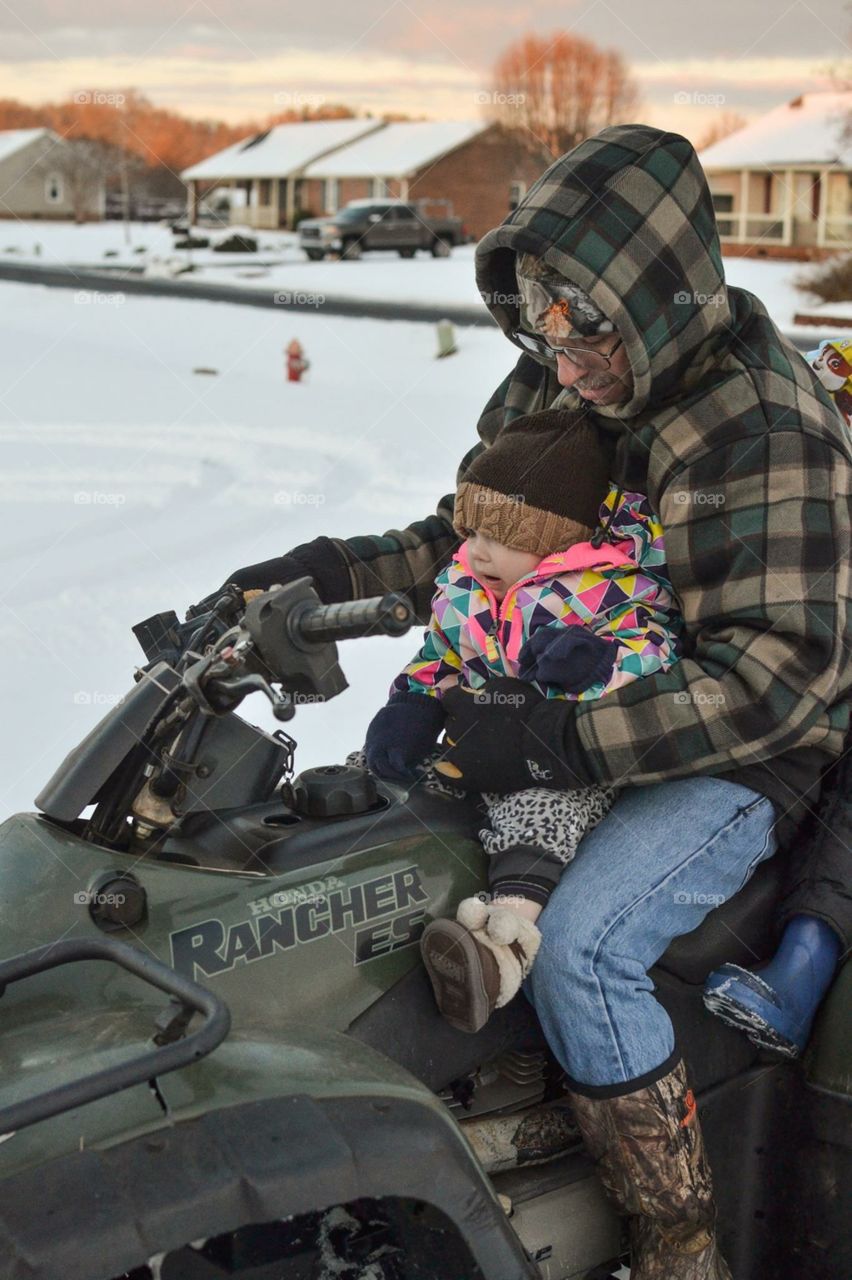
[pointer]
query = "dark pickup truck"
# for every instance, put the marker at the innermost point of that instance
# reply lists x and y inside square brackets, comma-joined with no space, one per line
[363,225]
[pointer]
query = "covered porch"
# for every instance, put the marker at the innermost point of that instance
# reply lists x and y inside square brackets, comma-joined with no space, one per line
[805,210]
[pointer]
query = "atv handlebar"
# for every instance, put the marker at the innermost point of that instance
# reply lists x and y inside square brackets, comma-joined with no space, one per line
[390,613]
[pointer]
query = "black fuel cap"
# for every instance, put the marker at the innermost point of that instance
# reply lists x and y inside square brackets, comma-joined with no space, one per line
[117,901]
[333,790]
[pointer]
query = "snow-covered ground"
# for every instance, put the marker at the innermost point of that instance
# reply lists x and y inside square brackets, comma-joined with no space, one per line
[131,484]
[281,266]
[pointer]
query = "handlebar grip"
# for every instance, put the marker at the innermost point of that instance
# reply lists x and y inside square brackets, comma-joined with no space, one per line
[390,613]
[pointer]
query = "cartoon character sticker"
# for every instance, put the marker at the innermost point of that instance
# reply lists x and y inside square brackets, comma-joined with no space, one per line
[832,363]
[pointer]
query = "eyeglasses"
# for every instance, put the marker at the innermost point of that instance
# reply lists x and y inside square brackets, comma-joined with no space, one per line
[588,356]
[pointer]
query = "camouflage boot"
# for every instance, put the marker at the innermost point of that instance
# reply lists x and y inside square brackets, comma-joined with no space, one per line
[650,1156]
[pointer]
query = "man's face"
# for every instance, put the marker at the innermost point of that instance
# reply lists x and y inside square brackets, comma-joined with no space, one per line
[597,368]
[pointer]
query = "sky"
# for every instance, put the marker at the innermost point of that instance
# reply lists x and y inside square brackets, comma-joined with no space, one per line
[245,59]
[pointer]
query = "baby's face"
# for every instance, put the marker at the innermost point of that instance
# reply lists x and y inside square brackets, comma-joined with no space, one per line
[496,565]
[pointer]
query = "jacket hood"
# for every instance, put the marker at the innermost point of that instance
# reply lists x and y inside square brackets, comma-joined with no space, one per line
[627,215]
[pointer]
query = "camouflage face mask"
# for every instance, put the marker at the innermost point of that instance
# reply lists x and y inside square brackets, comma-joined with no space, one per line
[554,307]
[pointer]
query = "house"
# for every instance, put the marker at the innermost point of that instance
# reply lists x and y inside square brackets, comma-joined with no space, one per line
[480,171]
[264,170]
[33,181]
[782,185]
[315,167]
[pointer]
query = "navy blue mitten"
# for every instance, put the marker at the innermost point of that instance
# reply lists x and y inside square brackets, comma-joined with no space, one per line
[402,734]
[572,657]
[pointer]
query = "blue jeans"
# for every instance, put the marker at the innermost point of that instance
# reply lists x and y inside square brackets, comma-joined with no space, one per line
[662,858]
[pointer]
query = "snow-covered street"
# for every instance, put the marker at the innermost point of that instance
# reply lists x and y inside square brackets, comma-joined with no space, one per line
[132,484]
[280,265]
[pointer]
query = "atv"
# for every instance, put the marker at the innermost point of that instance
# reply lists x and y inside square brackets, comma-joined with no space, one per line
[220,1052]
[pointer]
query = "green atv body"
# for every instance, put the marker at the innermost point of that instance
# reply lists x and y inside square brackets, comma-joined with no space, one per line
[220,1056]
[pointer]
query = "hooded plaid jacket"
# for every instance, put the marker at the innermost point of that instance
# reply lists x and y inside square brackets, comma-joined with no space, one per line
[739,450]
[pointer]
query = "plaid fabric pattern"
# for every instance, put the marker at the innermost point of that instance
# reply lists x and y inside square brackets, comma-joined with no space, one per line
[738,448]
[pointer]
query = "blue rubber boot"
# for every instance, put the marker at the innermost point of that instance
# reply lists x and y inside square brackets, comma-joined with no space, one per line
[776,1007]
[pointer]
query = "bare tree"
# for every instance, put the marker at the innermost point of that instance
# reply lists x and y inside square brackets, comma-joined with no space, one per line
[562,88]
[729,122]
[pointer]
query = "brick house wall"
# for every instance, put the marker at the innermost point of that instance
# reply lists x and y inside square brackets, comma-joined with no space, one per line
[478,176]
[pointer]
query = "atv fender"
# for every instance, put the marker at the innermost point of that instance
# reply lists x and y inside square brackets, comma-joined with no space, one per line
[262,1129]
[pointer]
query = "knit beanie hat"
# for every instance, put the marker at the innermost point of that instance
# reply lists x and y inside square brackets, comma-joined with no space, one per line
[539,487]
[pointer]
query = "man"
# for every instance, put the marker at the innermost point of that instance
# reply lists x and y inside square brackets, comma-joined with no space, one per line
[743,458]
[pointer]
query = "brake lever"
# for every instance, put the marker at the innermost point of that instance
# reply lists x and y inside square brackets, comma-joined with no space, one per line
[282,704]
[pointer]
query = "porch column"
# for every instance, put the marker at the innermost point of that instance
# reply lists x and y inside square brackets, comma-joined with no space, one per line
[276,220]
[822,215]
[403,188]
[744,210]
[789,195]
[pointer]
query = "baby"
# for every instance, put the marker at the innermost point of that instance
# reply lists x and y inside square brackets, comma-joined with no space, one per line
[533,592]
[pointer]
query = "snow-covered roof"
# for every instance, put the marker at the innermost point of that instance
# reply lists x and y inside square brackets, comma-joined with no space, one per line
[280,151]
[396,150]
[805,131]
[12,140]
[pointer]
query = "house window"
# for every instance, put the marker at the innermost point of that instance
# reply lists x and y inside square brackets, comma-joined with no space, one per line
[516,192]
[265,195]
[53,189]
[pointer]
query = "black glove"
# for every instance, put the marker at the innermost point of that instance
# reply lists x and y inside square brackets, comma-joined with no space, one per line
[402,734]
[572,657]
[319,560]
[507,736]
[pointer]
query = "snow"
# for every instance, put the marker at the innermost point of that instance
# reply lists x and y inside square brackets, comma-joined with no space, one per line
[789,134]
[286,149]
[396,149]
[12,140]
[132,485]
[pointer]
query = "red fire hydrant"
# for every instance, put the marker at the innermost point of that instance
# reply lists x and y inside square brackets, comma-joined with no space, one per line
[296,362]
